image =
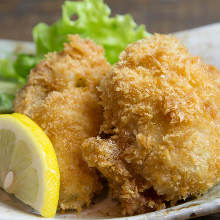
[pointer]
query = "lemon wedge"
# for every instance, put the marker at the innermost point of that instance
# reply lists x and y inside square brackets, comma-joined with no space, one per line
[28,164]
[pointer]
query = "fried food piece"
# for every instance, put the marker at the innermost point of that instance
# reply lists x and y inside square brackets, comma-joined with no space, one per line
[61,97]
[160,139]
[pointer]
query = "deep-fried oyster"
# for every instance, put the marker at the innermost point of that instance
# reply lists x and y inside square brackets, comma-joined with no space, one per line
[61,97]
[160,139]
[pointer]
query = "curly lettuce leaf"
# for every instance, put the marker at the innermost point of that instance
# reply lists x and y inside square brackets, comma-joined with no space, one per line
[24,63]
[93,22]
[6,103]
[7,70]
[13,75]
[7,95]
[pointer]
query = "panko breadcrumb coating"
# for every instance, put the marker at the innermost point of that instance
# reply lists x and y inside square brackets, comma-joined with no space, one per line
[160,139]
[61,97]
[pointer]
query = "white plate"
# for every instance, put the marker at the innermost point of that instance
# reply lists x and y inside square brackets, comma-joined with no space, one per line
[202,41]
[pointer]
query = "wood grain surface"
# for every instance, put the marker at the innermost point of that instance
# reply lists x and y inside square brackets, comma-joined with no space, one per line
[17,17]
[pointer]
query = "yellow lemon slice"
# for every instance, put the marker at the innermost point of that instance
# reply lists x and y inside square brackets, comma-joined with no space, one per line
[28,164]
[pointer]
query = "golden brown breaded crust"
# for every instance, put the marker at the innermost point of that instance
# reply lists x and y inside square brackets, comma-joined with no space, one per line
[162,111]
[61,97]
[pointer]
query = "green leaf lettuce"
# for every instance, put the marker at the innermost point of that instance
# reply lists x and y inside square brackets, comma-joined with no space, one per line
[93,22]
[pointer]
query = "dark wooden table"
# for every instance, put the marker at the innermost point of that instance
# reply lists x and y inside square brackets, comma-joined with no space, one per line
[17,18]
